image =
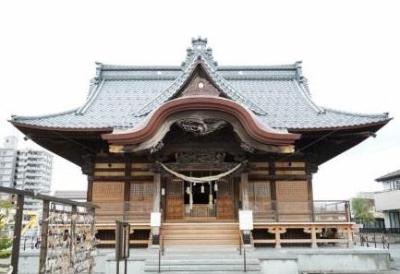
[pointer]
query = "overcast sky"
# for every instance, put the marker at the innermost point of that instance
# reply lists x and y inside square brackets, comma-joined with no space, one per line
[350,52]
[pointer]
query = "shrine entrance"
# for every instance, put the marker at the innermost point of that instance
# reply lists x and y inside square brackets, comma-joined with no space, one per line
[201,202]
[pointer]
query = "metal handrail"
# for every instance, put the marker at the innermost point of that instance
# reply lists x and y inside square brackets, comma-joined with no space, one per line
[44,197]
[242,245]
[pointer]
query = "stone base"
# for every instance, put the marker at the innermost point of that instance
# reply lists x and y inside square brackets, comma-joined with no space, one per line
[329,260]
[260,260]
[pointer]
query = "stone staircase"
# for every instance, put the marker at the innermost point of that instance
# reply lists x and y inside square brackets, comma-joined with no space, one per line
[200,234]
[208,260]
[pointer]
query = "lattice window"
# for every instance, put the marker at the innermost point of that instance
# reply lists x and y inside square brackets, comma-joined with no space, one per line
[142,191]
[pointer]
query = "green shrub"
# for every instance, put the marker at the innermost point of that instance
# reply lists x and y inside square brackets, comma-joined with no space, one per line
[5,254]
[5,243]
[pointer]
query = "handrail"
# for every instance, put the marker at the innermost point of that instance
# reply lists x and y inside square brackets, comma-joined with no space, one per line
[242,245]
[45,197]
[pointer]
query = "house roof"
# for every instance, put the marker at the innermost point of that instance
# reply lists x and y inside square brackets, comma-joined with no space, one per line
[389,176]
[120,97]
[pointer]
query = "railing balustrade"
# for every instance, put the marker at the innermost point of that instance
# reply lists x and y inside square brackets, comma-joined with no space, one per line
[309,211]
[67,239]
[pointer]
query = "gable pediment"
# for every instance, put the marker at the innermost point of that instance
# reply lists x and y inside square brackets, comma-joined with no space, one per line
[199,83]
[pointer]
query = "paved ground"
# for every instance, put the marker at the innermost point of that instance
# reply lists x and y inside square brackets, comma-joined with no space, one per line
[28,263]
[395,256]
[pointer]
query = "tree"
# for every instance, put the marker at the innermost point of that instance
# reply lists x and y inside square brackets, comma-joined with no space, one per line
[5,241]
[362,209]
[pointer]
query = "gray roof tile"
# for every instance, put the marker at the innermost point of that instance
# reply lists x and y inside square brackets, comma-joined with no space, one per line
[391,175]
[122,96]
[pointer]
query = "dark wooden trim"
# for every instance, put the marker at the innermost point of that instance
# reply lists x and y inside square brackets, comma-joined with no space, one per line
[310,197]
[271,168]
[279,177]
[290,168]
[109,169]
[121,178]
[128,173]
[89,194]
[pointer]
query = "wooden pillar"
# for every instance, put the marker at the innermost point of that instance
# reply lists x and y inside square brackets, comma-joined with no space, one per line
[127,186]
[44,237]
[157,192]
[244,182]
[17,233]
[155,231]
[274,200]
[92,212]
[309,171]
[72,230]
[89,195]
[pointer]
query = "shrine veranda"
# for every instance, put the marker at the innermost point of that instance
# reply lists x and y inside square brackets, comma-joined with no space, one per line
[199,142]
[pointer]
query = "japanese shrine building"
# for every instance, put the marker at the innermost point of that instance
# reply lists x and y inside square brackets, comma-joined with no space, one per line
[199,142]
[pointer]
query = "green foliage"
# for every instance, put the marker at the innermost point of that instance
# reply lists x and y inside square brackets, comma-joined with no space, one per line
[5,242]
[362,209]
[5,254]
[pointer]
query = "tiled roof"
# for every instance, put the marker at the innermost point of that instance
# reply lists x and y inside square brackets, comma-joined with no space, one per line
[391,175]
[122,96]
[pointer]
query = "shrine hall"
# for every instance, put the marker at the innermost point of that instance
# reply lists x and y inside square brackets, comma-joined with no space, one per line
[201,144]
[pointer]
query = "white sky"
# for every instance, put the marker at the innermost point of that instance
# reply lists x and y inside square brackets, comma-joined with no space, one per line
[350,50]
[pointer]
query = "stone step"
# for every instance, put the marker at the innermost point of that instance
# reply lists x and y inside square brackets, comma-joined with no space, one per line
[196,237]
[202,261]
[204,268]
[200,231]
[205,242]
[213,272]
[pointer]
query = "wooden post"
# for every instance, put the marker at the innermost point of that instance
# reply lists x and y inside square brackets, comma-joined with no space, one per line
[313,231]
[350,241]
[127,187]
[347,209]
[17,233]
[278,240]
[274,200]
[157,192]
[72,234]
[313,238]
[277,231]
[244,182]
[44,234]
[92,211]
[155,231]
[89,194]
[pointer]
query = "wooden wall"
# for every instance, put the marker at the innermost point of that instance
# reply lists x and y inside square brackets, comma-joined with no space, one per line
[280,191]
[122,190]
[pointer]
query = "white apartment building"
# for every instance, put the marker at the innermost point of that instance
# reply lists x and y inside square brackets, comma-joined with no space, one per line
[26,169]
[388,200]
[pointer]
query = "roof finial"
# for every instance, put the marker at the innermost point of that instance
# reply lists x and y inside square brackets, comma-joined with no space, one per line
[199,50]
[199,44]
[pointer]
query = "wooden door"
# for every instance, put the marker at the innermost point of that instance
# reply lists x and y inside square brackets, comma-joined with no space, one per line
[175,201]
[225,199]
